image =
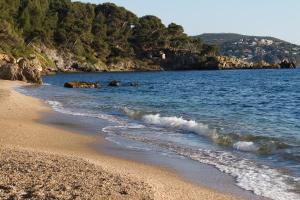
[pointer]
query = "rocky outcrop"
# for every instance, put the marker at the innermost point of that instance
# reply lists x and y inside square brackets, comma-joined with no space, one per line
[22,69]
[287,65]
[48,61]
[65,61]
[81,84]
[224,62]
[187,60]
[180,60]
[133,65]
[153,60]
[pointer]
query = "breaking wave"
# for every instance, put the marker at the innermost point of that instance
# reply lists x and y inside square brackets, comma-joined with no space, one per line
[176,122]
[168,122]
[246,143]
[245,146]
[261,179]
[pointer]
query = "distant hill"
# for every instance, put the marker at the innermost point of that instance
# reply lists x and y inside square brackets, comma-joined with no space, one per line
[253,48]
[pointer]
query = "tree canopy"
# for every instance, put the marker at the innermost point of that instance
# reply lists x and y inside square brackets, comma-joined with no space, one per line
[96,32]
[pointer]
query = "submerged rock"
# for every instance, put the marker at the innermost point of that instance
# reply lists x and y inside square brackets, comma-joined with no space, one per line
[81,84]
[134,84]
[114,83]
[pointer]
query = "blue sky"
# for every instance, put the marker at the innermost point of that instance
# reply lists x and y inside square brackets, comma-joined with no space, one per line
[278,18]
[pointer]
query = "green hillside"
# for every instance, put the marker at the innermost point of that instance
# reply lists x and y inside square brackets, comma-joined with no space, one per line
[103,32]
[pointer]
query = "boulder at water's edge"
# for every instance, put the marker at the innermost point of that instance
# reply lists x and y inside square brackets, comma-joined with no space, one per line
[81,84]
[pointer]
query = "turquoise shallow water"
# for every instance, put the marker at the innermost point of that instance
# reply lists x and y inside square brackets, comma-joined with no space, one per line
[245,123]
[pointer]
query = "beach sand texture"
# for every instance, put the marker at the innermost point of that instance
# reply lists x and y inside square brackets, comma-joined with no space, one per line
[38,161]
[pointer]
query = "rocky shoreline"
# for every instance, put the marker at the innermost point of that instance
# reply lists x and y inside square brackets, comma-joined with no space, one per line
[50,61]
[27,70]
[224,63]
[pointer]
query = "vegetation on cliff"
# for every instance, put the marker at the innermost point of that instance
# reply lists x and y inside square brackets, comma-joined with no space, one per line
[93,33]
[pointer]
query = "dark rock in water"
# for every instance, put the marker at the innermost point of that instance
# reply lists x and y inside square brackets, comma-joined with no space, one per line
[82,84]
[134,84]
[287,65]
[114,83]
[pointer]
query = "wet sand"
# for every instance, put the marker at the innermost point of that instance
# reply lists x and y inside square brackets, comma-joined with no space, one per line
[190,170]
[42,161]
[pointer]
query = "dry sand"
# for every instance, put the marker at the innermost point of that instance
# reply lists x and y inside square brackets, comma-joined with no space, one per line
[38,161]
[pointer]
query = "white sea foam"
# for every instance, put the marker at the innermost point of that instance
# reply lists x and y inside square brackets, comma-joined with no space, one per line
[114,129]
[261,179]
[245,146]
[168,122]
[176,122]
[129,112]
[113,140]
[136,126]
[58,107]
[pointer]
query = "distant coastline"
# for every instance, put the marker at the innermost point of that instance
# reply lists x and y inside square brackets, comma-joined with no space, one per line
[254,48]
[31,70]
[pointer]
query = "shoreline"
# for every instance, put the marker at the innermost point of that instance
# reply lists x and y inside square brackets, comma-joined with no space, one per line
[19,116]
[191,171]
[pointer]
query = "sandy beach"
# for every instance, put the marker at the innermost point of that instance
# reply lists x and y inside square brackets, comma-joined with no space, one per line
[38,161]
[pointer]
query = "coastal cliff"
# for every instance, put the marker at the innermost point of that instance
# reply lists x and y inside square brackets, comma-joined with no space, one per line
[65,61]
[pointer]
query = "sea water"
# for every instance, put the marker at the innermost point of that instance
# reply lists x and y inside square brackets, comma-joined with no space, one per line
[245,123]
